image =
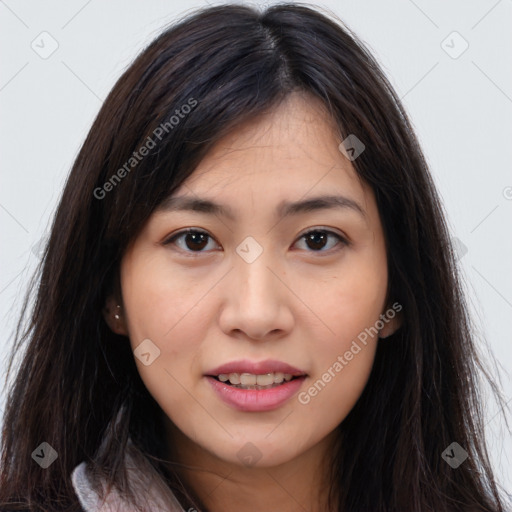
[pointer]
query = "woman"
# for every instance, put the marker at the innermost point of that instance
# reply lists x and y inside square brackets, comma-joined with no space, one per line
[204,341]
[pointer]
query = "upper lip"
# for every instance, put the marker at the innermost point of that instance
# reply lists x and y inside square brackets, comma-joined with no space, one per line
[255,368]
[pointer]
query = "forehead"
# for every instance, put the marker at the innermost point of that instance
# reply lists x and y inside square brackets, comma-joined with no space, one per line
[291,150]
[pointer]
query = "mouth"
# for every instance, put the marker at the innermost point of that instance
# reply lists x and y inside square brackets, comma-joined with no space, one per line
[255,386]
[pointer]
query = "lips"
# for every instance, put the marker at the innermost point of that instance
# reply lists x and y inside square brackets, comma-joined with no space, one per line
[245,385]
[255,368]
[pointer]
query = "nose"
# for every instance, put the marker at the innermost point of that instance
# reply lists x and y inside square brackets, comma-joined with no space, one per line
[257,302]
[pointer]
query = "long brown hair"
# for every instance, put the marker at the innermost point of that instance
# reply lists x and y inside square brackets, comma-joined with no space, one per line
[77,380]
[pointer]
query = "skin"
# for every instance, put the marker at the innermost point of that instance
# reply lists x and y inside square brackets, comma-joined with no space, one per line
[203,309]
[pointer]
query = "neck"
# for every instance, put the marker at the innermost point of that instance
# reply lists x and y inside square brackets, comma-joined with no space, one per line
[297,485]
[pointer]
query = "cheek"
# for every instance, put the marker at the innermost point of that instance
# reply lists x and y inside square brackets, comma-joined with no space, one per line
[158,309]
[340,375]
[170,378]
[345,346]
[161,303]
[342,366]
[347,301]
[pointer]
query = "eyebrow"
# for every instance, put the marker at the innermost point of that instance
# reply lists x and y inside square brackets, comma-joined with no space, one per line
[285,208]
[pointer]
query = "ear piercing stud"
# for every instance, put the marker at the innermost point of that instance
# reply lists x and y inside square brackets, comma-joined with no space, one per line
[116,316]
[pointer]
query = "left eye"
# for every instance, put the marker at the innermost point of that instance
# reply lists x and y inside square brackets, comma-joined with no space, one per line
[316,239]
[194,240]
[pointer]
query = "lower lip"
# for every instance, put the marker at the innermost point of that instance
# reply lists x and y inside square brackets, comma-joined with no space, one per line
[256,399]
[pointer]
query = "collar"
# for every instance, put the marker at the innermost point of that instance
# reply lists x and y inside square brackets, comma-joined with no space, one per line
[150,489]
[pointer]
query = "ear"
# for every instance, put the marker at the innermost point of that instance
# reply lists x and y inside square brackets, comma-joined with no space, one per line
[392,319]
[114,315]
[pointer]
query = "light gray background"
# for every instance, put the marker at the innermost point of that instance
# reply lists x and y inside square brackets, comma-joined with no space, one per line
[461,108]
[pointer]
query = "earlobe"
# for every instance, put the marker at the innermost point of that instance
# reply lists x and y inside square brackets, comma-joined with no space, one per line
[114,316]
[391,323]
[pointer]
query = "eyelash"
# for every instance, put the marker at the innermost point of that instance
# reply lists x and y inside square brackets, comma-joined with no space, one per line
[341,240]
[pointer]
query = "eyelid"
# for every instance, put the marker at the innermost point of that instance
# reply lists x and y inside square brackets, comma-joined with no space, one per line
[185,231]
[328,230]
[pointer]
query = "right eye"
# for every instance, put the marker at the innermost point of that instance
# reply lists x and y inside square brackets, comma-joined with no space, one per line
[190,240]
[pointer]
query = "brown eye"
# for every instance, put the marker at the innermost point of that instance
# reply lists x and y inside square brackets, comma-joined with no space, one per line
[196,241]
[318,239]
[191,240]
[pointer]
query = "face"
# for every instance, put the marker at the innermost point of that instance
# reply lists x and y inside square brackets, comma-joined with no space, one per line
[275,284]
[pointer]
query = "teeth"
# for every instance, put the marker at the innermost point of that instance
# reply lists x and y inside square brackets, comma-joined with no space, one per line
[234,378]
[247,379]
[251,381]
[279,377]
[263,380]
